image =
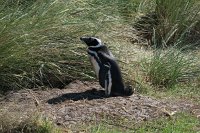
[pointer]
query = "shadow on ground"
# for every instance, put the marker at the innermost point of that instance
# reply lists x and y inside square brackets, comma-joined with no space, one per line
[88,94]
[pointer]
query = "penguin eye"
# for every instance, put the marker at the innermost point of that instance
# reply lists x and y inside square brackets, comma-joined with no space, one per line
[93,42]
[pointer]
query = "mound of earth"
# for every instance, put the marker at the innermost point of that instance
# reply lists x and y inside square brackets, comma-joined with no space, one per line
[82,102]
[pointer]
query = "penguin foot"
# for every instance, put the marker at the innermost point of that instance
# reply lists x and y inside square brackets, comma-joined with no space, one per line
[128,90]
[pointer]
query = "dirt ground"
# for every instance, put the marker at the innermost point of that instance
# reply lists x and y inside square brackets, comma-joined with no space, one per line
[82,102]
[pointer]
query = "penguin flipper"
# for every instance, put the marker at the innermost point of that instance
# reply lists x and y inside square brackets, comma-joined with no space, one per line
[108,81]
[106,56]
[105,78]
[102,75]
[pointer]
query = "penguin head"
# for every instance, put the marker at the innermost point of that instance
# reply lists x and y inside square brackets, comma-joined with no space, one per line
[91,41]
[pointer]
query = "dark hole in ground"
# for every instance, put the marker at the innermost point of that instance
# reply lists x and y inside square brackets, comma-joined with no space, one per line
[89,95]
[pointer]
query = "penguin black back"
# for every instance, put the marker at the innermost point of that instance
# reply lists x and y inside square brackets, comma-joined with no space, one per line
[118,88]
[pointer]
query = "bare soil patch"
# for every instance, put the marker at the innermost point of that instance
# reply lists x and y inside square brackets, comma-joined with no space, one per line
[82,102]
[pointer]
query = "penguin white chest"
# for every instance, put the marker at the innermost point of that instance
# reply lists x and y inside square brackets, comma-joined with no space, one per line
[95,65]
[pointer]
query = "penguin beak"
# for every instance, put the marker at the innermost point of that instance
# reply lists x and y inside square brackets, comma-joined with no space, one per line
[83,39]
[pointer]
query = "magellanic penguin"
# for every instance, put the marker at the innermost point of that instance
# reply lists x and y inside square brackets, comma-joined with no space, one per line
[106,68]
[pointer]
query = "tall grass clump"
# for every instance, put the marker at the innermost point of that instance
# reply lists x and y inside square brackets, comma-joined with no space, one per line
[166,68]
[27,42]
[39,41]
[171,21]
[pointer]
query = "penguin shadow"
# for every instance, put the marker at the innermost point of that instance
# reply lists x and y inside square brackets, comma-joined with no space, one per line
[89,95]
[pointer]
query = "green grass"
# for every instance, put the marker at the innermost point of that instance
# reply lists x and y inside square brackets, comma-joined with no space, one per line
[169,21]
[170,67]
[180,123]
[15,123]
[33,40]
[171,29]
[39,40]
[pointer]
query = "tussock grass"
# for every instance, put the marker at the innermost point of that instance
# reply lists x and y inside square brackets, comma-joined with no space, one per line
[39,43]
[169,67]
[170,21]
[39,40]
[170,27]
[28,48]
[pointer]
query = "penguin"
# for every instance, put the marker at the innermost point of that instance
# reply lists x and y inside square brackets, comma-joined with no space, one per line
[106,68]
